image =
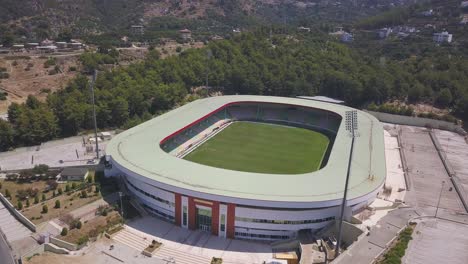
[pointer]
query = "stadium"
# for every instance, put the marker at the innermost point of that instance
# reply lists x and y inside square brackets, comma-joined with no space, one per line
[250,167]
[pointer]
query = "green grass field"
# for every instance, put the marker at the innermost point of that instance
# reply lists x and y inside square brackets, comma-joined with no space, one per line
[263,148]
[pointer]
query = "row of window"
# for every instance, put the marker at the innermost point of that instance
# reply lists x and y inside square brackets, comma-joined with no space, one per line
[284,222]
[150,195]
[159,213]
[261,236]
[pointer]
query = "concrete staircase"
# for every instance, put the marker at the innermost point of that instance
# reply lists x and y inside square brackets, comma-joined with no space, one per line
[180,257]
[132,240]
[165,253]
[11,227]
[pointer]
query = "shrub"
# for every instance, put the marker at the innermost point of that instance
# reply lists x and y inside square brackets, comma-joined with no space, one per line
[72,68]
[84,194]
[43,197]
[79,225]
[45,209]
[73,186]
[60,191]
[97,190]
[7,193]
[90,179]
[178,49]
[83,240]
[20,205]
[36,199]
[64,232]
[57,204]
[28,203]
[67,188]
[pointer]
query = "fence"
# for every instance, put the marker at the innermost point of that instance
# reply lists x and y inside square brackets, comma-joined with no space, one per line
[417,121]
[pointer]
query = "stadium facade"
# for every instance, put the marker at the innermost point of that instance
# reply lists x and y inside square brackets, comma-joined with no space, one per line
[236,204]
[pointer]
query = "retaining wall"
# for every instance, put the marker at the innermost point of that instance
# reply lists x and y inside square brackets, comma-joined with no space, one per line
[63,244]
[25,221]
[417,121]
[55,249]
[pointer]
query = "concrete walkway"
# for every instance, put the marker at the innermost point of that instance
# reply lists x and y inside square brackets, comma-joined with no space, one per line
[11,227]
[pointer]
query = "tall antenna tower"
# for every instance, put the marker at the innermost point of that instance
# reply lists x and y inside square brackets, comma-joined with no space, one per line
[93,81]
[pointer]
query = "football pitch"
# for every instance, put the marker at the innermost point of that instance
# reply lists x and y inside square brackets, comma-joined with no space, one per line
[263,148]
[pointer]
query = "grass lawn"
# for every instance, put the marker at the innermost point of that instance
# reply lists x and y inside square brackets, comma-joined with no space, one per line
[263,148]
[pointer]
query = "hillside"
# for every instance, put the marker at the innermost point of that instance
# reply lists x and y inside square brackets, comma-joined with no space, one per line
[35,20]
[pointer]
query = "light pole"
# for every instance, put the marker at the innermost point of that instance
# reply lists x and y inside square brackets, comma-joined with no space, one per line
[440,196]
[94,113]
[351,126]
[121,205]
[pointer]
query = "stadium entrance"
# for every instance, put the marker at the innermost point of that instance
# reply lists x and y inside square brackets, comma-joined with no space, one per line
[204,219]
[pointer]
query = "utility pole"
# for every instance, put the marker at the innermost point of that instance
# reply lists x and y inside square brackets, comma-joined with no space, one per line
[351,126]
[93,81]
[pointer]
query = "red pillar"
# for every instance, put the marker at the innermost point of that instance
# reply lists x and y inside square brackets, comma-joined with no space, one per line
[231,217]
[215,218]
[178,209]
[192,210]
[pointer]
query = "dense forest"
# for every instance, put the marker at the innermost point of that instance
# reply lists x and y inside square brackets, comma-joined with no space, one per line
[252,63]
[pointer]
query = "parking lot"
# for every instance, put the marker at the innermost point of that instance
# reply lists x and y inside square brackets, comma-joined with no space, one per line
[58,153]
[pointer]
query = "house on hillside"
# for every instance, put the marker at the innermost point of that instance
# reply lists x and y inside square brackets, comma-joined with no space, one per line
[137,29]
[74,174]
[384,32]
[347,37]
[185,34]
[442,37]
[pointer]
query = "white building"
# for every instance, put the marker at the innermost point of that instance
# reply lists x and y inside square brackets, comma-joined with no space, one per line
[384,32]
[442,37]
[347,37]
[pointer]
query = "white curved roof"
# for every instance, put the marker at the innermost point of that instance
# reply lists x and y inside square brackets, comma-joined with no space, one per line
[138,150]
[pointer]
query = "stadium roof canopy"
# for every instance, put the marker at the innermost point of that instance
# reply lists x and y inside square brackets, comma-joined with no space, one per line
[138,150]
[322,99]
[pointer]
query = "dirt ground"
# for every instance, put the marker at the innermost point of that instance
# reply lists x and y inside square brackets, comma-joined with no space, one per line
[170,48]
[13,187]
[68,203]
[30,77]
[88,226]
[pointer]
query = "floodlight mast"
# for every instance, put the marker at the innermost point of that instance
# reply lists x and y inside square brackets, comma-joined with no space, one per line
[93,81]
[351,126]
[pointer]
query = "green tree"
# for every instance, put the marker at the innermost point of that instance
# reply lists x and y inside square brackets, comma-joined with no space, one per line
[28,203]
[6,135]
[64,231]
[57,204]
[444,98]
[36,199]
[43,197]
[20,205]
[60,191]
[45,209]
[7,193]
[14,112]
[67,188]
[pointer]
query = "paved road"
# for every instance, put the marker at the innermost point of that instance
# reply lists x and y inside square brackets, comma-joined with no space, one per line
[5,252]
